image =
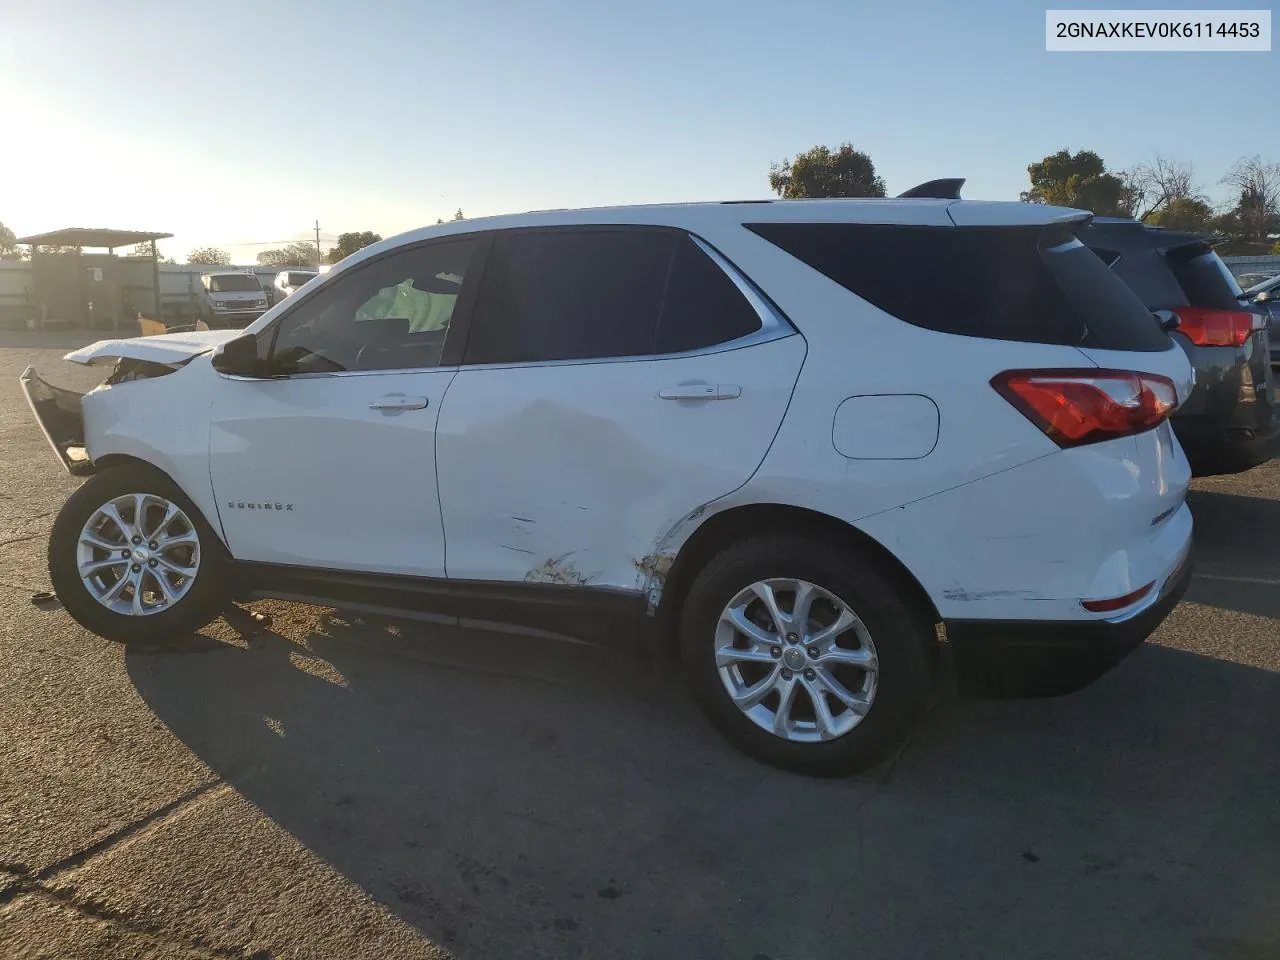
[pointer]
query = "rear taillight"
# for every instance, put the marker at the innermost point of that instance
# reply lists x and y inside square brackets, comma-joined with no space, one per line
[1206,327]
[1086,406]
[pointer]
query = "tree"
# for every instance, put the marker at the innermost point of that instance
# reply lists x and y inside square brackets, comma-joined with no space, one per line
[456,217]
[144,250]
[296,254]
[9,249]
[1081,180]
[1257,189]
[210,255]
[349,243]
[1183,213]
[819,172]
[1155,184]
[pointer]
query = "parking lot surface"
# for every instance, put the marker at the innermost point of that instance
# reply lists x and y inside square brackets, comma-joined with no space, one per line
[331,786]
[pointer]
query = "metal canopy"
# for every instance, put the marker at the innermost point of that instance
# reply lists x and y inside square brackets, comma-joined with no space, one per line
[92,237]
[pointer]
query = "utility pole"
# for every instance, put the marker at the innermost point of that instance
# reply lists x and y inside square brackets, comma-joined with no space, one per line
[317,244]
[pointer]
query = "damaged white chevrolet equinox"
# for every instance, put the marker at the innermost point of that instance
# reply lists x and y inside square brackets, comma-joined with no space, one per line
[814,440]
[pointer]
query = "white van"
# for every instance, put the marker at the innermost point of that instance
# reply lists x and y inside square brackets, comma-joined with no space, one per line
[232,299]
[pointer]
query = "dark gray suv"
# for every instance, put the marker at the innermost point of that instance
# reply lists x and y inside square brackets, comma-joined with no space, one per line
[1229,423]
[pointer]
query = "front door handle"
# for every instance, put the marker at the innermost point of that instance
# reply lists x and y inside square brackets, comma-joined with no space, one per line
[702,391]
[399,403]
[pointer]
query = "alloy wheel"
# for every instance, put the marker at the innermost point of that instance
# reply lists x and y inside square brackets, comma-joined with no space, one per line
[138,554]
[796,660]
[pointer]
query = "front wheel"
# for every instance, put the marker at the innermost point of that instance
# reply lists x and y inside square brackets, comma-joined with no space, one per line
[131,558]
[803,655]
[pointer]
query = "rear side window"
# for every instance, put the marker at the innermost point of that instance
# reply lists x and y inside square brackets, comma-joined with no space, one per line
[600,294]
[1030,284]
[1146,272]
[1204,277]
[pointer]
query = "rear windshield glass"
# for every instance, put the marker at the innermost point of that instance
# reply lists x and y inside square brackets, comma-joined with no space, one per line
[1031,284]
[1205,278]
[298,279]
[234,283]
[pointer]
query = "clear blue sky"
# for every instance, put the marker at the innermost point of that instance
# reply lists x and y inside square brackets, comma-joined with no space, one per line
[235,122]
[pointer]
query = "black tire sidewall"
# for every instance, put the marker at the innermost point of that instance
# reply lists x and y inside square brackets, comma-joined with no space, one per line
[202,603]
[901,635]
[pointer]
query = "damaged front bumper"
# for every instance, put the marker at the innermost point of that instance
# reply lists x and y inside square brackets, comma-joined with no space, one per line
[61,420]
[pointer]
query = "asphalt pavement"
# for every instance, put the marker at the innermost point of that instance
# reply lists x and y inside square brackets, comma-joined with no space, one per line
[337,787]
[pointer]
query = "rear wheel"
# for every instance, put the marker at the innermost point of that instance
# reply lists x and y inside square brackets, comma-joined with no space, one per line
[803,656]
[131,558]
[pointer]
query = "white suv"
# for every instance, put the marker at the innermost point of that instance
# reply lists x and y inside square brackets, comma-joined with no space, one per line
[289,282]
[755,427]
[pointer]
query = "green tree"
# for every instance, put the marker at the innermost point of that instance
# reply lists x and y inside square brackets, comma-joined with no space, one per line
[1081,180]
[1276,248]
[1183,213]
[297,254]
[456,217]
[349,243]
[211,255]
[821,172]
[9,249]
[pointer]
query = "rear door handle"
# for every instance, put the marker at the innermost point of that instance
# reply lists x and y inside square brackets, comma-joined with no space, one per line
[702,391]
[399,403]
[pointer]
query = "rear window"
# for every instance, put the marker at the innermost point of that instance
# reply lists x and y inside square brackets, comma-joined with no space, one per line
[298,279]
[1029,284]
[1205,278]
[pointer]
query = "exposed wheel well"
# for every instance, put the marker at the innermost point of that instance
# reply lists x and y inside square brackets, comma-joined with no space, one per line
[740,522]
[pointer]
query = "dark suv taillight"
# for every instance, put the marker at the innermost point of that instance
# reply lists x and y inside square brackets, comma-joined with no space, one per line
[1207,327]
[1075,407]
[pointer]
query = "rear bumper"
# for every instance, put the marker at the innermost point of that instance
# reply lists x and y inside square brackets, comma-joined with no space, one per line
[1031,658]
[1214,447]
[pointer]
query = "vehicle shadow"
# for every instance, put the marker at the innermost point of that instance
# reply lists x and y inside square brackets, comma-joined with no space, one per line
[511,796]
[1237,552]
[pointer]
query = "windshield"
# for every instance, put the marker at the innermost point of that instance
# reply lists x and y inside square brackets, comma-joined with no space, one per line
[234,283]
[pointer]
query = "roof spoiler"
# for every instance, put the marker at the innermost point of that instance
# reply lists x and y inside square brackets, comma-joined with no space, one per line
[947,188]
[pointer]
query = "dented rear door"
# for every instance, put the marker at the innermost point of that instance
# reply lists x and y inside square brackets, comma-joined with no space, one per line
[571,469]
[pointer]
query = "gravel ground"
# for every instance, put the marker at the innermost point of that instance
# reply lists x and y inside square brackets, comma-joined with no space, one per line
[335,787]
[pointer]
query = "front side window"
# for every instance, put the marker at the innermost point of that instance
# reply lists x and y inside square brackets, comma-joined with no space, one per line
[602,294]
[391,314]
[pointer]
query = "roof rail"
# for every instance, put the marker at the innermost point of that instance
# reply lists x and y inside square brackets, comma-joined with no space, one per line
[948,188]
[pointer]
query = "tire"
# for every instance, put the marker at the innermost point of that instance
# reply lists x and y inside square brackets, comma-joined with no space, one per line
[901,639]
[197,599]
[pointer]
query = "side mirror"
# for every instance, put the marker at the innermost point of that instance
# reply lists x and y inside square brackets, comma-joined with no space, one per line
[239,358]
[1264,297]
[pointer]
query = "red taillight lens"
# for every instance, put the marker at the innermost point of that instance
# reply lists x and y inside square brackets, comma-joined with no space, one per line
[1085,406]
[1215,328]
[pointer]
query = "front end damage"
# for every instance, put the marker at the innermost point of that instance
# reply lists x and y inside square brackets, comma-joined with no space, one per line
[58,411]
[61,420]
